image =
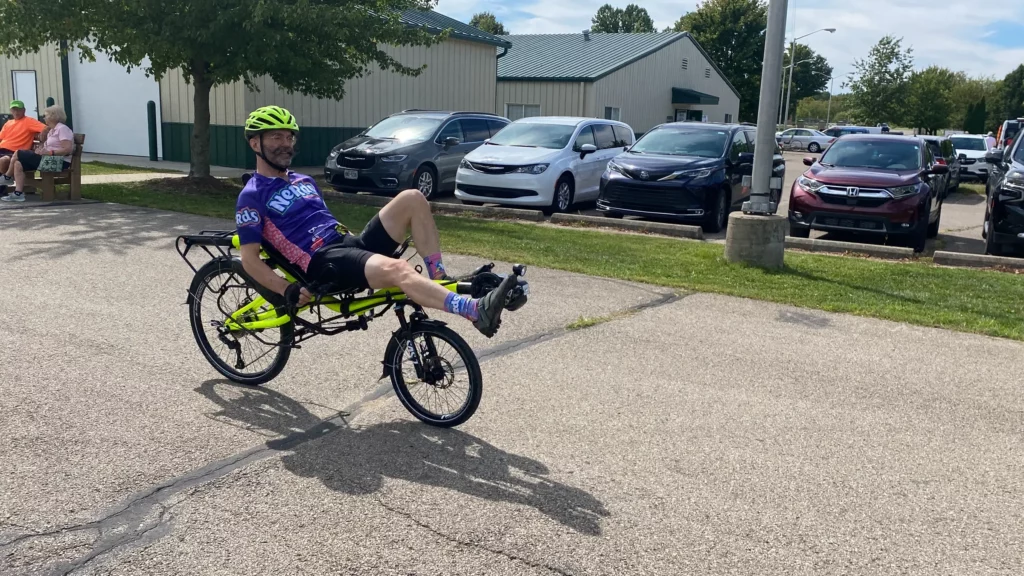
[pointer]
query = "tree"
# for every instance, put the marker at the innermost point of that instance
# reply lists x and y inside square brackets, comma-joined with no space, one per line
[730,32]
[631,19]
[974,119]
[488,23]
[930,103]
[310,47]
[1013,94]
[811,75]
[880,84]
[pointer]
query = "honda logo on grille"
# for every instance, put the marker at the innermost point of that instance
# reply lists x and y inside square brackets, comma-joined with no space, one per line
[853,192]
[644,175]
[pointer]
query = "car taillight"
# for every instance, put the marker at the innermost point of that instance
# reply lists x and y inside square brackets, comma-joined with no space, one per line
[940,161]
[831,140]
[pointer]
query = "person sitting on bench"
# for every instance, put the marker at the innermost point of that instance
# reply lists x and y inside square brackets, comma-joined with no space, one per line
[18,133]
[52,155]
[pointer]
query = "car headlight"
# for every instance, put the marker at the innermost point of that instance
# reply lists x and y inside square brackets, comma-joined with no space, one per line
[531,169]
[616,168]
[903,191]
[809,184]
[335,151]
[1013,184]
[690,174]
[395,158]
[464,164]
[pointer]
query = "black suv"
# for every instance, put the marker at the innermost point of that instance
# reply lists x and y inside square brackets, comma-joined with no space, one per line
[418,149]
[945,154]
[686,171]
[1004,208]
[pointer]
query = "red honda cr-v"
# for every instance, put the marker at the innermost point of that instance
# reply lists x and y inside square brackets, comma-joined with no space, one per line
[877,184]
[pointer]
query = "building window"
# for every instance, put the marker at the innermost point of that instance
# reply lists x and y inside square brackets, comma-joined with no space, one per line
[516,111]
[728,118]
[611,113]
[707,72]
[685,64]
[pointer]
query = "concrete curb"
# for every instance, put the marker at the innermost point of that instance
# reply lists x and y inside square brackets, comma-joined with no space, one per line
[817,245]
[442,207]
[677,230]
[976,260]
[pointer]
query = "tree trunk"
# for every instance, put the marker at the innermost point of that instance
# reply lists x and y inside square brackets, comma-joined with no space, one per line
[200,165]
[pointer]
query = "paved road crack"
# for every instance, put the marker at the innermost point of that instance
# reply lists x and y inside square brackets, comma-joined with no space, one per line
[474,545]
[126,524]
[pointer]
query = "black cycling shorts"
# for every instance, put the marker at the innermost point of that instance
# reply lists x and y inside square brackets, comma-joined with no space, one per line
[348,256]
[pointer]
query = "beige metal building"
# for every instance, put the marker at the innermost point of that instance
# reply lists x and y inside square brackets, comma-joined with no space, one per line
[640,79]
[108,103]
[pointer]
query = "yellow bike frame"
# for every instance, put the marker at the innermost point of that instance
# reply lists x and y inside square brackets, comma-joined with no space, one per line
[250,318]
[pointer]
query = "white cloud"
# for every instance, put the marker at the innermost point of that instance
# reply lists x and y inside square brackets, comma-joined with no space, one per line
[954,34]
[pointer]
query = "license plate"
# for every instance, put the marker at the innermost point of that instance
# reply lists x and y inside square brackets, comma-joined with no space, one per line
[351,174]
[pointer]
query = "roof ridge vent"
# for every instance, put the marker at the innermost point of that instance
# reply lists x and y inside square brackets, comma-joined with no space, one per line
[586,35]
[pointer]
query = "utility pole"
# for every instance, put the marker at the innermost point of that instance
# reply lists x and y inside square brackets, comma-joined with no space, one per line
[757,235]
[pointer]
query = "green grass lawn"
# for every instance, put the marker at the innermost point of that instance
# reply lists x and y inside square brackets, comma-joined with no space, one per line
[973,188]
[985,302]
[103,168]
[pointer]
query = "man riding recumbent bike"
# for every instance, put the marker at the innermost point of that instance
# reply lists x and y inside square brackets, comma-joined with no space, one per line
[300,273]
[247,332]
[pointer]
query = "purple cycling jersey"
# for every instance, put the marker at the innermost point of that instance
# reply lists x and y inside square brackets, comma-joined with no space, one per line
[289,215]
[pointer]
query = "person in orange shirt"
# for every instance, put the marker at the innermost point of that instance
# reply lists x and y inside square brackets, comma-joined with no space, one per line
[19,133]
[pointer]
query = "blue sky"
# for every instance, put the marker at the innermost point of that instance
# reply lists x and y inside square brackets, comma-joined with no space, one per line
[980,37]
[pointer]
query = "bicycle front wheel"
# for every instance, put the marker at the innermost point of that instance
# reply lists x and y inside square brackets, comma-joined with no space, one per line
[435,374]
[251,358]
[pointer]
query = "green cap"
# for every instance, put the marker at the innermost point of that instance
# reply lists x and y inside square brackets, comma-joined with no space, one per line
[17,104]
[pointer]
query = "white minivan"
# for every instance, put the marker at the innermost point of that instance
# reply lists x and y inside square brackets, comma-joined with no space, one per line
[547,162]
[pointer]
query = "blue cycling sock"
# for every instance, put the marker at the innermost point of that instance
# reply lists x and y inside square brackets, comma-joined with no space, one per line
[463,306]
[435,269]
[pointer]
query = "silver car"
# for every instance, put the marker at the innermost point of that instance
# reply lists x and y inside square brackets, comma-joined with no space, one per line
[803,139]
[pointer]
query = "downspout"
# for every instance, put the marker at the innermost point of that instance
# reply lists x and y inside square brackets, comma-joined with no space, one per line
[583,91]
[504,50]
[65,78]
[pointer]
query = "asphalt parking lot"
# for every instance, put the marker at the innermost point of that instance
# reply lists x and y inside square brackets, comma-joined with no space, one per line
[698,434]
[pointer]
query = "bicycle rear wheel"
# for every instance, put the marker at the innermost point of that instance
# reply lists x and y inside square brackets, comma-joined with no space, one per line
[251,358]
[435,374]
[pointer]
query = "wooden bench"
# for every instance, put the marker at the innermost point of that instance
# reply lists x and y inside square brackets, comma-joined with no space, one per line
[49,180]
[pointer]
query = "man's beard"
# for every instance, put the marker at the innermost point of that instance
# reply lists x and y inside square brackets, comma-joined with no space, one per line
[281,156]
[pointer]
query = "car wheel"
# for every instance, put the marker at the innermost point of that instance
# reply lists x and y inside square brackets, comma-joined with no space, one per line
[919,238]
[425,181]
[992,248]
[813,148]
[562,198]
[799,231]
[716,218]
[933,229]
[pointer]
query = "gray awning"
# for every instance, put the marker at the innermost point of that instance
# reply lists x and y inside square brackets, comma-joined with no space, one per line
[687,96]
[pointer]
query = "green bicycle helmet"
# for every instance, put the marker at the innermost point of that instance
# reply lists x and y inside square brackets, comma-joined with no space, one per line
[269,118]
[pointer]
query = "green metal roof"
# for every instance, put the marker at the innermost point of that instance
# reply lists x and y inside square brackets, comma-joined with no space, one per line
[439,22]
[571,58]
[687,96]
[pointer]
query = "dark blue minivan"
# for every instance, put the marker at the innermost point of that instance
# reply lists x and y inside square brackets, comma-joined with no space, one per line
[690,171]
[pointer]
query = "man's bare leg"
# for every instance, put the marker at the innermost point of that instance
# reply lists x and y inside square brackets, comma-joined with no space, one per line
[485,313]
[411,211]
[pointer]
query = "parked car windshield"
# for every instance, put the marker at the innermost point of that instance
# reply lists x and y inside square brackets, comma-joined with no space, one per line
[683,142]
[404,128]
[969,143]
[873,154]
[534,135]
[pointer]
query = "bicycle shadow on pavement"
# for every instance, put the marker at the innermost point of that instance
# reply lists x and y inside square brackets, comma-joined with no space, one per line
[358,460]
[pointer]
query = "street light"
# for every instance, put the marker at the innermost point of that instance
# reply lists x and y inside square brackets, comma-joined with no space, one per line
[784,87]
[792,53]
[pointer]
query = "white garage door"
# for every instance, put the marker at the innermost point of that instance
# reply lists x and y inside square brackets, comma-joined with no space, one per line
[109,106]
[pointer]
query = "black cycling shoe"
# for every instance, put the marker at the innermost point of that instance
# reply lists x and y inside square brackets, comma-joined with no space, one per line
[491,307]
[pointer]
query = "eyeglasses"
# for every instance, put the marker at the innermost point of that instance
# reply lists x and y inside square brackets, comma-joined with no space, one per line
[280,138]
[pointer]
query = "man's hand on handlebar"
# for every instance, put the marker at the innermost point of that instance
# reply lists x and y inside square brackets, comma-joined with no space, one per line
[297,295]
